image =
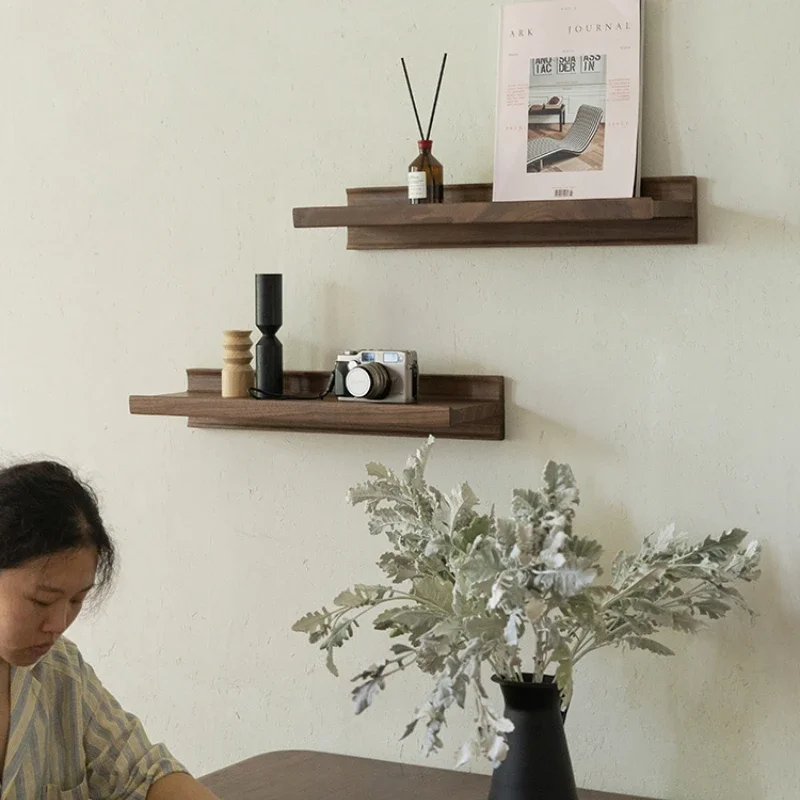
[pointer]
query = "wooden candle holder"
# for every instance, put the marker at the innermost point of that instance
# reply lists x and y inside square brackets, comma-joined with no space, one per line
[238,376]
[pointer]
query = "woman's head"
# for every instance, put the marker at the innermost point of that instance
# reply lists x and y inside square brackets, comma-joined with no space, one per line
[54,549]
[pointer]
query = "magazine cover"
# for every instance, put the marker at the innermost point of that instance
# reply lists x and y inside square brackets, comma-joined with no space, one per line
[569,100]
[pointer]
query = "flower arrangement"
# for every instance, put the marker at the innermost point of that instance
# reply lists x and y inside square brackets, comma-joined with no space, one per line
[464,588]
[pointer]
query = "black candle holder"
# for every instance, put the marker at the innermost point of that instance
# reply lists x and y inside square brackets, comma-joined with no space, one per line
[269,350]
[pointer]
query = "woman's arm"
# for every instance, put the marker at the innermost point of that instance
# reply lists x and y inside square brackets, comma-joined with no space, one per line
[121,762]
[179,786]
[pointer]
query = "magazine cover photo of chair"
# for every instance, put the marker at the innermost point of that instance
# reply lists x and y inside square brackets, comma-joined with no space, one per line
[577,140]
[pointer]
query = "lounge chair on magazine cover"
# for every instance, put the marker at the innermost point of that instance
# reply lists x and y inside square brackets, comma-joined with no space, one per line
[578,138]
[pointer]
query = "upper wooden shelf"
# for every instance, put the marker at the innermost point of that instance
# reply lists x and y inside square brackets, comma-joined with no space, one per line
[382,219]
[450,406]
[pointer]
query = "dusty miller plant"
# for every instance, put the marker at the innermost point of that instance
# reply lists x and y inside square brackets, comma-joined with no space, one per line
[464,588]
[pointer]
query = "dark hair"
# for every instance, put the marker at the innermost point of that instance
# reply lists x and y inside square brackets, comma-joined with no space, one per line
[45,510]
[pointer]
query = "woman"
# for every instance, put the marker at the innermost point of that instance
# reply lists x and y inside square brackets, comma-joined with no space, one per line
[62,735]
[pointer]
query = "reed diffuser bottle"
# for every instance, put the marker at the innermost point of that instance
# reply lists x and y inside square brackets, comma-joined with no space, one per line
[425,173]
[425,177]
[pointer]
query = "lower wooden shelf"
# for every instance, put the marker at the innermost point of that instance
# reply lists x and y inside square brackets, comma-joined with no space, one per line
[450,406]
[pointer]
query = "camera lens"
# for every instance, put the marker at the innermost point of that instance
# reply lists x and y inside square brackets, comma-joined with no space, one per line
[369,381]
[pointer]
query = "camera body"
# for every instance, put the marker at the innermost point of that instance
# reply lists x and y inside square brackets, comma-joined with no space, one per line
[377,376]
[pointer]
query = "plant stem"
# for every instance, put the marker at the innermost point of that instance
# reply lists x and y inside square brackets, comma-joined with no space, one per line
[625,592]
[576,651]
[422,601]
[342,620]
[493,665]
[701,587]
[401,666]
[588,647]
[540,663]
[339,626]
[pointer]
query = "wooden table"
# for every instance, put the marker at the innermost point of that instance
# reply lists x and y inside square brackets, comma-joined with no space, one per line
[320,776]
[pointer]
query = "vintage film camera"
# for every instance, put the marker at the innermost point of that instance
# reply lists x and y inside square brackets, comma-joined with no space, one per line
[378,376]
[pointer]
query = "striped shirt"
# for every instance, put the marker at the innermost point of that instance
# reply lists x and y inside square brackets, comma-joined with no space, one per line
[69,739]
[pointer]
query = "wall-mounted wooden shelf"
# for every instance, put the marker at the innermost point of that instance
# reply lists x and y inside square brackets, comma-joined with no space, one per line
[450,406]
[382,219]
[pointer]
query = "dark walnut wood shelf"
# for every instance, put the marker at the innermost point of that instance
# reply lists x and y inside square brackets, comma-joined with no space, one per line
[382,219]
[450,406]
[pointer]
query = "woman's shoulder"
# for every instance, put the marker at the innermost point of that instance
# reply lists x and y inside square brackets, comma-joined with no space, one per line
[64,659]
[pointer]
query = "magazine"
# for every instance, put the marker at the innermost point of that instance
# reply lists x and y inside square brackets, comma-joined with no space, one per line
[569,100]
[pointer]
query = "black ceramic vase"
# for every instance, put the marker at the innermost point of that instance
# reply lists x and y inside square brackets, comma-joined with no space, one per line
[538,765]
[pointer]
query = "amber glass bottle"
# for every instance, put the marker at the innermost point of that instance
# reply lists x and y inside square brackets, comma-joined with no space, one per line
[425,177]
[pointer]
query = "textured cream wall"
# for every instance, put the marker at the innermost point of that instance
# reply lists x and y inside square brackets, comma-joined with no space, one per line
[150,155]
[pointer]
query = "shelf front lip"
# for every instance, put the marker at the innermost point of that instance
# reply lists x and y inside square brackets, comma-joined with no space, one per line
[539,212]
[438,413]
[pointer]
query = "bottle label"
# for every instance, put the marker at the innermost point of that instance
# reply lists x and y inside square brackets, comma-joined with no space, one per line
[417,186]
